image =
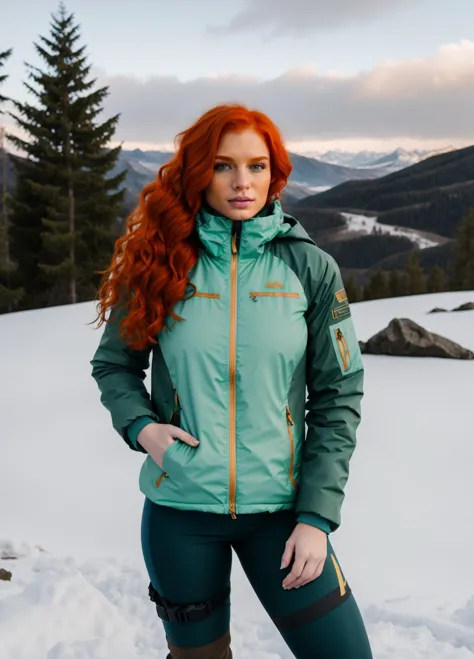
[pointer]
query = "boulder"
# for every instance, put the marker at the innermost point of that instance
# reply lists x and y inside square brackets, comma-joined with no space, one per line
[5,575]
[469,306]
[405,338]
[438,310]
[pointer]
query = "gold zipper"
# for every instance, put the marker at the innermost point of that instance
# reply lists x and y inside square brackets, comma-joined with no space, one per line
[232,383]
[160,479]
[291,423]
[176,408]
[256,294]
[343,349]
[176,402]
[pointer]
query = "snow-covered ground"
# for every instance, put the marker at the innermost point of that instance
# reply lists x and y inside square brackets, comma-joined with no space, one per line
[70,505]
[364,224]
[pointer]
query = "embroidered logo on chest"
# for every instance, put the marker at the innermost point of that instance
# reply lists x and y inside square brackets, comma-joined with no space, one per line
[273,284]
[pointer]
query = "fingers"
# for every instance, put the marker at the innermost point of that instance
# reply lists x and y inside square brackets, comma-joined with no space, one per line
[295,574]
[287,554]
[303,572]
[179,433]
[312,570]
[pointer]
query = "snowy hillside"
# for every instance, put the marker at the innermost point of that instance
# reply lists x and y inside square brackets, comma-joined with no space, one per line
[70,505]
[365,224]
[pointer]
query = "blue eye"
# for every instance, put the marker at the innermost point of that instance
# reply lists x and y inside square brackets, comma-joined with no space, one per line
[261,165]
[219,167]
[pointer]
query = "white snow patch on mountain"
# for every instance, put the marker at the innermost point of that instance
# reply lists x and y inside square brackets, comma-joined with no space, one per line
[364,224]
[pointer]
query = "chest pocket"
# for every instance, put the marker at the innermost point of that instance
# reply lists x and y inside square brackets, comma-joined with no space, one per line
[256,295]
[210,296]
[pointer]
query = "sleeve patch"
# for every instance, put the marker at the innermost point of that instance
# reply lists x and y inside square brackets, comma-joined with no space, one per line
[341,296]
[341,312]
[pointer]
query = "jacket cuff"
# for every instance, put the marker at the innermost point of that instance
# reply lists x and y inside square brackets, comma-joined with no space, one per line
[136,426]
[313,519]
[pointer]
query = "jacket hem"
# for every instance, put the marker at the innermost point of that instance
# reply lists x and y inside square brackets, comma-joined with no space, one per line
[221,508]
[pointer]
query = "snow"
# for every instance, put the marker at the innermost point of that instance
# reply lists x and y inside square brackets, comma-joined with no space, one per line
[392,161]
[70,505]
[364,224]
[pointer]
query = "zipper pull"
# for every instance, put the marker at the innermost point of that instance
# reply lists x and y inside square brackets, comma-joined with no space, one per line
[289,417]
[236,233]
[175,420]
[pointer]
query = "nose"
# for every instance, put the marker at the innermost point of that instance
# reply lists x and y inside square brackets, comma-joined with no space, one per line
[241,179]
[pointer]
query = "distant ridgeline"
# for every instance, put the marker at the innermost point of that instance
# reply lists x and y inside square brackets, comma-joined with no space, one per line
[431,199]
[432,195]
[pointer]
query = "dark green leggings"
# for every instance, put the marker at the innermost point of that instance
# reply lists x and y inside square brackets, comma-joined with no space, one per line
[188,558]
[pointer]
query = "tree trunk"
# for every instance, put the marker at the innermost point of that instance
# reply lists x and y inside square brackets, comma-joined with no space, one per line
[72,220]
[5,248]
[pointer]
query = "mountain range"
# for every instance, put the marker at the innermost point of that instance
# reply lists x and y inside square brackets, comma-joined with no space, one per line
[309,175]
[366,219]
[392,160]
[376,224]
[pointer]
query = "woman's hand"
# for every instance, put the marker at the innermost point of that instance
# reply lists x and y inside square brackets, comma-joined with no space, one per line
[309,545]
[157,437]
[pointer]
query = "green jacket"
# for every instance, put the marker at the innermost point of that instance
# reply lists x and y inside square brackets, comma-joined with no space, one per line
[267,343]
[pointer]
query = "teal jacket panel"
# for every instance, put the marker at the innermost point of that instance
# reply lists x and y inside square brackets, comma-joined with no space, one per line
[265,370]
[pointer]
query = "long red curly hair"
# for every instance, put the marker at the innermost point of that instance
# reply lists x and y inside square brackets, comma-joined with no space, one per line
[151,261]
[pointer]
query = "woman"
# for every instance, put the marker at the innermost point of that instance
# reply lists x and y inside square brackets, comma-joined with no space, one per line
[241,313]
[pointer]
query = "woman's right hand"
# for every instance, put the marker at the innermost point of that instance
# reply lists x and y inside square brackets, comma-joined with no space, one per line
[157,437]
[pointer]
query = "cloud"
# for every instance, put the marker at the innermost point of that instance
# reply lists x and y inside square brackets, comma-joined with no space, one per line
[422,99]
[296,17]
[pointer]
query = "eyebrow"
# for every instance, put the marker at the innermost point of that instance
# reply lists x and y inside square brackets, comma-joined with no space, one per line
[226,159]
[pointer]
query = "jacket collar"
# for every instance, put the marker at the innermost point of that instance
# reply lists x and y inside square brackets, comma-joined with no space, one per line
[215,231]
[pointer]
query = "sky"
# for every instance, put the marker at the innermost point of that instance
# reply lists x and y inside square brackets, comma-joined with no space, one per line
[345,74]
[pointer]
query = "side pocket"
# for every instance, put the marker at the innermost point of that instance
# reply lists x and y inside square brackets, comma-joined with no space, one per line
[175,420]
[290,424]
[346,346]
[160,479]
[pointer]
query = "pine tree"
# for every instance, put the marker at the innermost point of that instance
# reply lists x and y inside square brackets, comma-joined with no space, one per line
[353,290]
[377,286]
[3,58]
[462,276]
[415,278]
[65,213]
[436,282]
[9,296]
[397,283]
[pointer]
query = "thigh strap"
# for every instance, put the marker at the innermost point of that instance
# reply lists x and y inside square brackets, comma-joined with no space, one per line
[195,612]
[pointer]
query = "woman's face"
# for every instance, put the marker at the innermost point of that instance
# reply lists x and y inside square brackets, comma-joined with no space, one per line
[241,178]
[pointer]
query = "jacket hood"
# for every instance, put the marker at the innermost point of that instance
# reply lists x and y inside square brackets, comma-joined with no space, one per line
[295,231]
[215,231]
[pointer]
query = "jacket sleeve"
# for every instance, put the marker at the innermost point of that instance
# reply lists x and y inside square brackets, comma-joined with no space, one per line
[334,378]
[315,520]
[120,373]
